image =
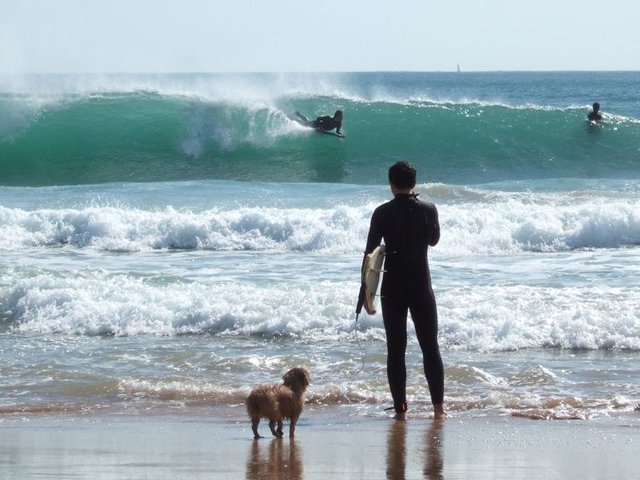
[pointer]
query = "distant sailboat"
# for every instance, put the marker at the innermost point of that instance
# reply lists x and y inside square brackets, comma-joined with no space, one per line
[458,68]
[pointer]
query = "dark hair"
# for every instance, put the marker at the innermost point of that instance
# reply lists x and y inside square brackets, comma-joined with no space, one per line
[402,175]
[596,106]
[338,112]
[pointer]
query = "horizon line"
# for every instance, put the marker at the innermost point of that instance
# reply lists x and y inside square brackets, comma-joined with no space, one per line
[300,72]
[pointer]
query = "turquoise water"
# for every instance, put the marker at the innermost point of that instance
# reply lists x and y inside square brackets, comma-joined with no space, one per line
[167,241]
[217,127]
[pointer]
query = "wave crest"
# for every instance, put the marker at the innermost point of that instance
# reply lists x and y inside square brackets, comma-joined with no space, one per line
[147,136]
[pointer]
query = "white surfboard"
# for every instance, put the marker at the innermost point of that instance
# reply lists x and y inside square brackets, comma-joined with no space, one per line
[371,273]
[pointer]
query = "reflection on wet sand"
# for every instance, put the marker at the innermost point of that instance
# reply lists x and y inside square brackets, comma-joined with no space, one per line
[433,458]
[275,461]
[397,451]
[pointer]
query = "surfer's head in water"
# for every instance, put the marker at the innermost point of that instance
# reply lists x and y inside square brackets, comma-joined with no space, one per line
[402,176]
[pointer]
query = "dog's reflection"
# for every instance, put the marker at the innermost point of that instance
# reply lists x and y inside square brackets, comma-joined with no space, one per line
[276,460]
[397,451]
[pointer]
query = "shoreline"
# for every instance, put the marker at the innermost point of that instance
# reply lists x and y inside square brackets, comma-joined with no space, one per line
[335,442]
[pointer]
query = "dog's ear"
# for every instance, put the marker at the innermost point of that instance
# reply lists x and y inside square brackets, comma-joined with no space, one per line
[306,375]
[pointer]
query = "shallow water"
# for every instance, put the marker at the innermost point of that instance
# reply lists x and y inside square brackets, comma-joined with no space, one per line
[147,282]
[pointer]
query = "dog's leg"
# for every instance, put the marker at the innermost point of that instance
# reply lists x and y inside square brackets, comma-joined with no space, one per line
[254,427]
[272,425]
[280,432]
[292,426]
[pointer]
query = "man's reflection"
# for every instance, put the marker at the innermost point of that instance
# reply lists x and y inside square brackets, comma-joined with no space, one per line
[433,458]
[432,450]
[397,450]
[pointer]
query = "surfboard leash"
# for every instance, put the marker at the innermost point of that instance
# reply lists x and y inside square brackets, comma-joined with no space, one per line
[362,352]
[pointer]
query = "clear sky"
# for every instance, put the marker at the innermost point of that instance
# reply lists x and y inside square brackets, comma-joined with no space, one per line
[104,36]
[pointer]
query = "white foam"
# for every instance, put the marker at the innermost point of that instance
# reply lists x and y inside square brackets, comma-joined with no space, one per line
[472,223]
[504,223]
[123,229]
[515,317]
[512,270]
[491,317]
[98,303]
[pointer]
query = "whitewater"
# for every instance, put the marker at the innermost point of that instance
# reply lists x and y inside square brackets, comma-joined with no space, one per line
[168,240]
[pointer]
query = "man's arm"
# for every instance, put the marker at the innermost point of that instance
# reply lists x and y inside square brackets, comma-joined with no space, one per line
[373,240]
[375,232]
[434,238]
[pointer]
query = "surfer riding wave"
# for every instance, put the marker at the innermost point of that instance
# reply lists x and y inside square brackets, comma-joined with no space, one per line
[323,124]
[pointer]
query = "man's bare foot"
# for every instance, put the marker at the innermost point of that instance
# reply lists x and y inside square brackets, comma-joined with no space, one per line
[439,413]
[400,416]
[401,411]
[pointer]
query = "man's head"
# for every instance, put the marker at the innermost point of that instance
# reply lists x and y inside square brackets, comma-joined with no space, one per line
[596,107]
[338,115]
[402,175]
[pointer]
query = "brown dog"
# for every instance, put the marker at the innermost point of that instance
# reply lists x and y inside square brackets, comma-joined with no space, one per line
[277,402]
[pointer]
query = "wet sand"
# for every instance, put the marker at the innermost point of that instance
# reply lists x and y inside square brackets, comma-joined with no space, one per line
[330,443]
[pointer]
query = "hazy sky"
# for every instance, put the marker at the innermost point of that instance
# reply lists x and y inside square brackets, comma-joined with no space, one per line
[297,35]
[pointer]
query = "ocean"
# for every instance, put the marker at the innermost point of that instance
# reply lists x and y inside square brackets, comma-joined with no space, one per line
[169,241]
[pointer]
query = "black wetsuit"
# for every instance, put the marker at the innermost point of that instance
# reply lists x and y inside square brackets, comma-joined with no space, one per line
[594,116]
[327,123]
[408,227]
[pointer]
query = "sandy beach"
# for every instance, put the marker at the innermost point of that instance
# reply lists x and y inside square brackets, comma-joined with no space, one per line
[330,443]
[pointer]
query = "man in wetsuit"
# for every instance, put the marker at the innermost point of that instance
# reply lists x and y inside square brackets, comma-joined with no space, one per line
[408,226]
[328,123]
[324,124]
[594,115]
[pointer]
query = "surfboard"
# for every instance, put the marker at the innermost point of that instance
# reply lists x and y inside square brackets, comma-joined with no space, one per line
[299,119]
[339,135]
[371,273]
[302,120]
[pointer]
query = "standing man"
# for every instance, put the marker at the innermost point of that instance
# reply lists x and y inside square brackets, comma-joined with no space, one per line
[408,226]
